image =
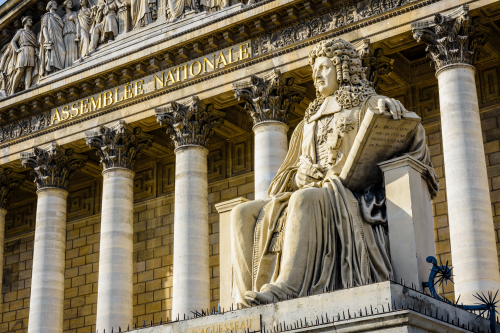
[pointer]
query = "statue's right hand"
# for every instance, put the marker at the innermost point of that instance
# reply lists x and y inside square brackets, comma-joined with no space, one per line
[307,174]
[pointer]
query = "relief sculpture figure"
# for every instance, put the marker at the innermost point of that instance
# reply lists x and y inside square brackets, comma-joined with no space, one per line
[71,34]
[85,23]
[177,8]
[141,13]
[52,49]
[312,232]
[19,61]
[111,19]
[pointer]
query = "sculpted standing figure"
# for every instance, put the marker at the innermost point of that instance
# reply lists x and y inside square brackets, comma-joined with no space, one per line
[71,34]
[24,47]
[312,232]
[111,19]
[141,13]
[176,8]
[85,21]
[52,49]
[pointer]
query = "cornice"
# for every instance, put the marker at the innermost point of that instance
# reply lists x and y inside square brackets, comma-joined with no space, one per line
[267,56]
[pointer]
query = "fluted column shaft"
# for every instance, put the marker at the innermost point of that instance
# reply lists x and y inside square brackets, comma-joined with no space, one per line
[114,298]
[52,167]
[472,235]
[119,146]
[49,253]
[191,280]
[271,147]
[3,212]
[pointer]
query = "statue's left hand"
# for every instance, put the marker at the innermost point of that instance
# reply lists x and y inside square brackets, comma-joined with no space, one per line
[395,107]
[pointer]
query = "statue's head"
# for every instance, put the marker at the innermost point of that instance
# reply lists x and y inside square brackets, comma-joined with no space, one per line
[337,70]
[68,4]
[27,21]
[84,3]
[51,5]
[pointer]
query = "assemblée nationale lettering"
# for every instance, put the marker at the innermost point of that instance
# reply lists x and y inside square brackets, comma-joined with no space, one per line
[151,83]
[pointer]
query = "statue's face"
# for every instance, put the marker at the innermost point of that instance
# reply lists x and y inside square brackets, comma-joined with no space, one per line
[83,3]
[325,76]
[28,23]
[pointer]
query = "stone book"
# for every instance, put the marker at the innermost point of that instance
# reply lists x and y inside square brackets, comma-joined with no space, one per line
[380,138]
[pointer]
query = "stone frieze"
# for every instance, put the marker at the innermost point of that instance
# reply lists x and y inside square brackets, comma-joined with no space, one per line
[338,18]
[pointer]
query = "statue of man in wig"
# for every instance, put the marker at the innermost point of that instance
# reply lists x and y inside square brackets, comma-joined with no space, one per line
[312,232]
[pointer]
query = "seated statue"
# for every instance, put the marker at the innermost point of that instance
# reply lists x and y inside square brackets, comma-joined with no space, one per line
[312,233]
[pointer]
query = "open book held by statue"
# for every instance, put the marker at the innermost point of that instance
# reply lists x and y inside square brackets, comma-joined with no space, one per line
[323,224]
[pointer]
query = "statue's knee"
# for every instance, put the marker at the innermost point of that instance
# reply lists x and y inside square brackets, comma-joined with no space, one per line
[304,196]
[245,212]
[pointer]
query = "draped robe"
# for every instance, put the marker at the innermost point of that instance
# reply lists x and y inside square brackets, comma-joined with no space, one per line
[52,58]
[300,242]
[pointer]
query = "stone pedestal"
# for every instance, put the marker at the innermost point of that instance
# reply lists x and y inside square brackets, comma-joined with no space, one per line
[49,253]
[224,209]
[191,280]
[409,216]
[271,147]
[472,235]
[379,307]
[114,298]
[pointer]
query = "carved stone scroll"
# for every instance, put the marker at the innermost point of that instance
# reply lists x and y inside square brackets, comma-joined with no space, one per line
[190,123]
[53,165]
[451,39]
[118,146]
[8,183]
[268,98]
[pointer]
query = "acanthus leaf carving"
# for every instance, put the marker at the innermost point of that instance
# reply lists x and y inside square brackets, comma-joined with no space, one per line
[53,165]
[119,145]
[8,183]
[190,123]
[270,98]
[454,38]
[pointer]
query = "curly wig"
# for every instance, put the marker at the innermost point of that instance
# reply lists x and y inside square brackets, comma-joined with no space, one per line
[354,87]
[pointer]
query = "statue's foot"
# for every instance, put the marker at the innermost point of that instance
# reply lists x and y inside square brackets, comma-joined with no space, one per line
[260,297]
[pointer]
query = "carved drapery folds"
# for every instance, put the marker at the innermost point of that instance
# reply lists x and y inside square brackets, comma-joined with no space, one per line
[270,98]
[451,39]
[8,183]
[53,165]
[190,123]
[119,145]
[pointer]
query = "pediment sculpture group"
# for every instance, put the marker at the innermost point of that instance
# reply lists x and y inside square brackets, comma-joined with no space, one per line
[68,40]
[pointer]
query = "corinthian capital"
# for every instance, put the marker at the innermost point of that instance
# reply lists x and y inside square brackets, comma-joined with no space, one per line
[53,165]
[268,98]
[119,145]
[189,123]
[8,183]
[453,38]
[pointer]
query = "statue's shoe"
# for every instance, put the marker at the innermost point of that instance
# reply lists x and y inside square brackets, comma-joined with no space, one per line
[260,297]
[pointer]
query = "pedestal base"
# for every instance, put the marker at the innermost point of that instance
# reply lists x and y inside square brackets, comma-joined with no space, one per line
[379,307]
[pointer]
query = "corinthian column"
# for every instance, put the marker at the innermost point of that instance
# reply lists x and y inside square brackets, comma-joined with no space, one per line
[118,146]
[8,183]
[190,125]
[52,168]
[452,44]
[269,101]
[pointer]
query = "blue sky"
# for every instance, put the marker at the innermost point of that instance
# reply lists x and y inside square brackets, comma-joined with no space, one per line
[2,2]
